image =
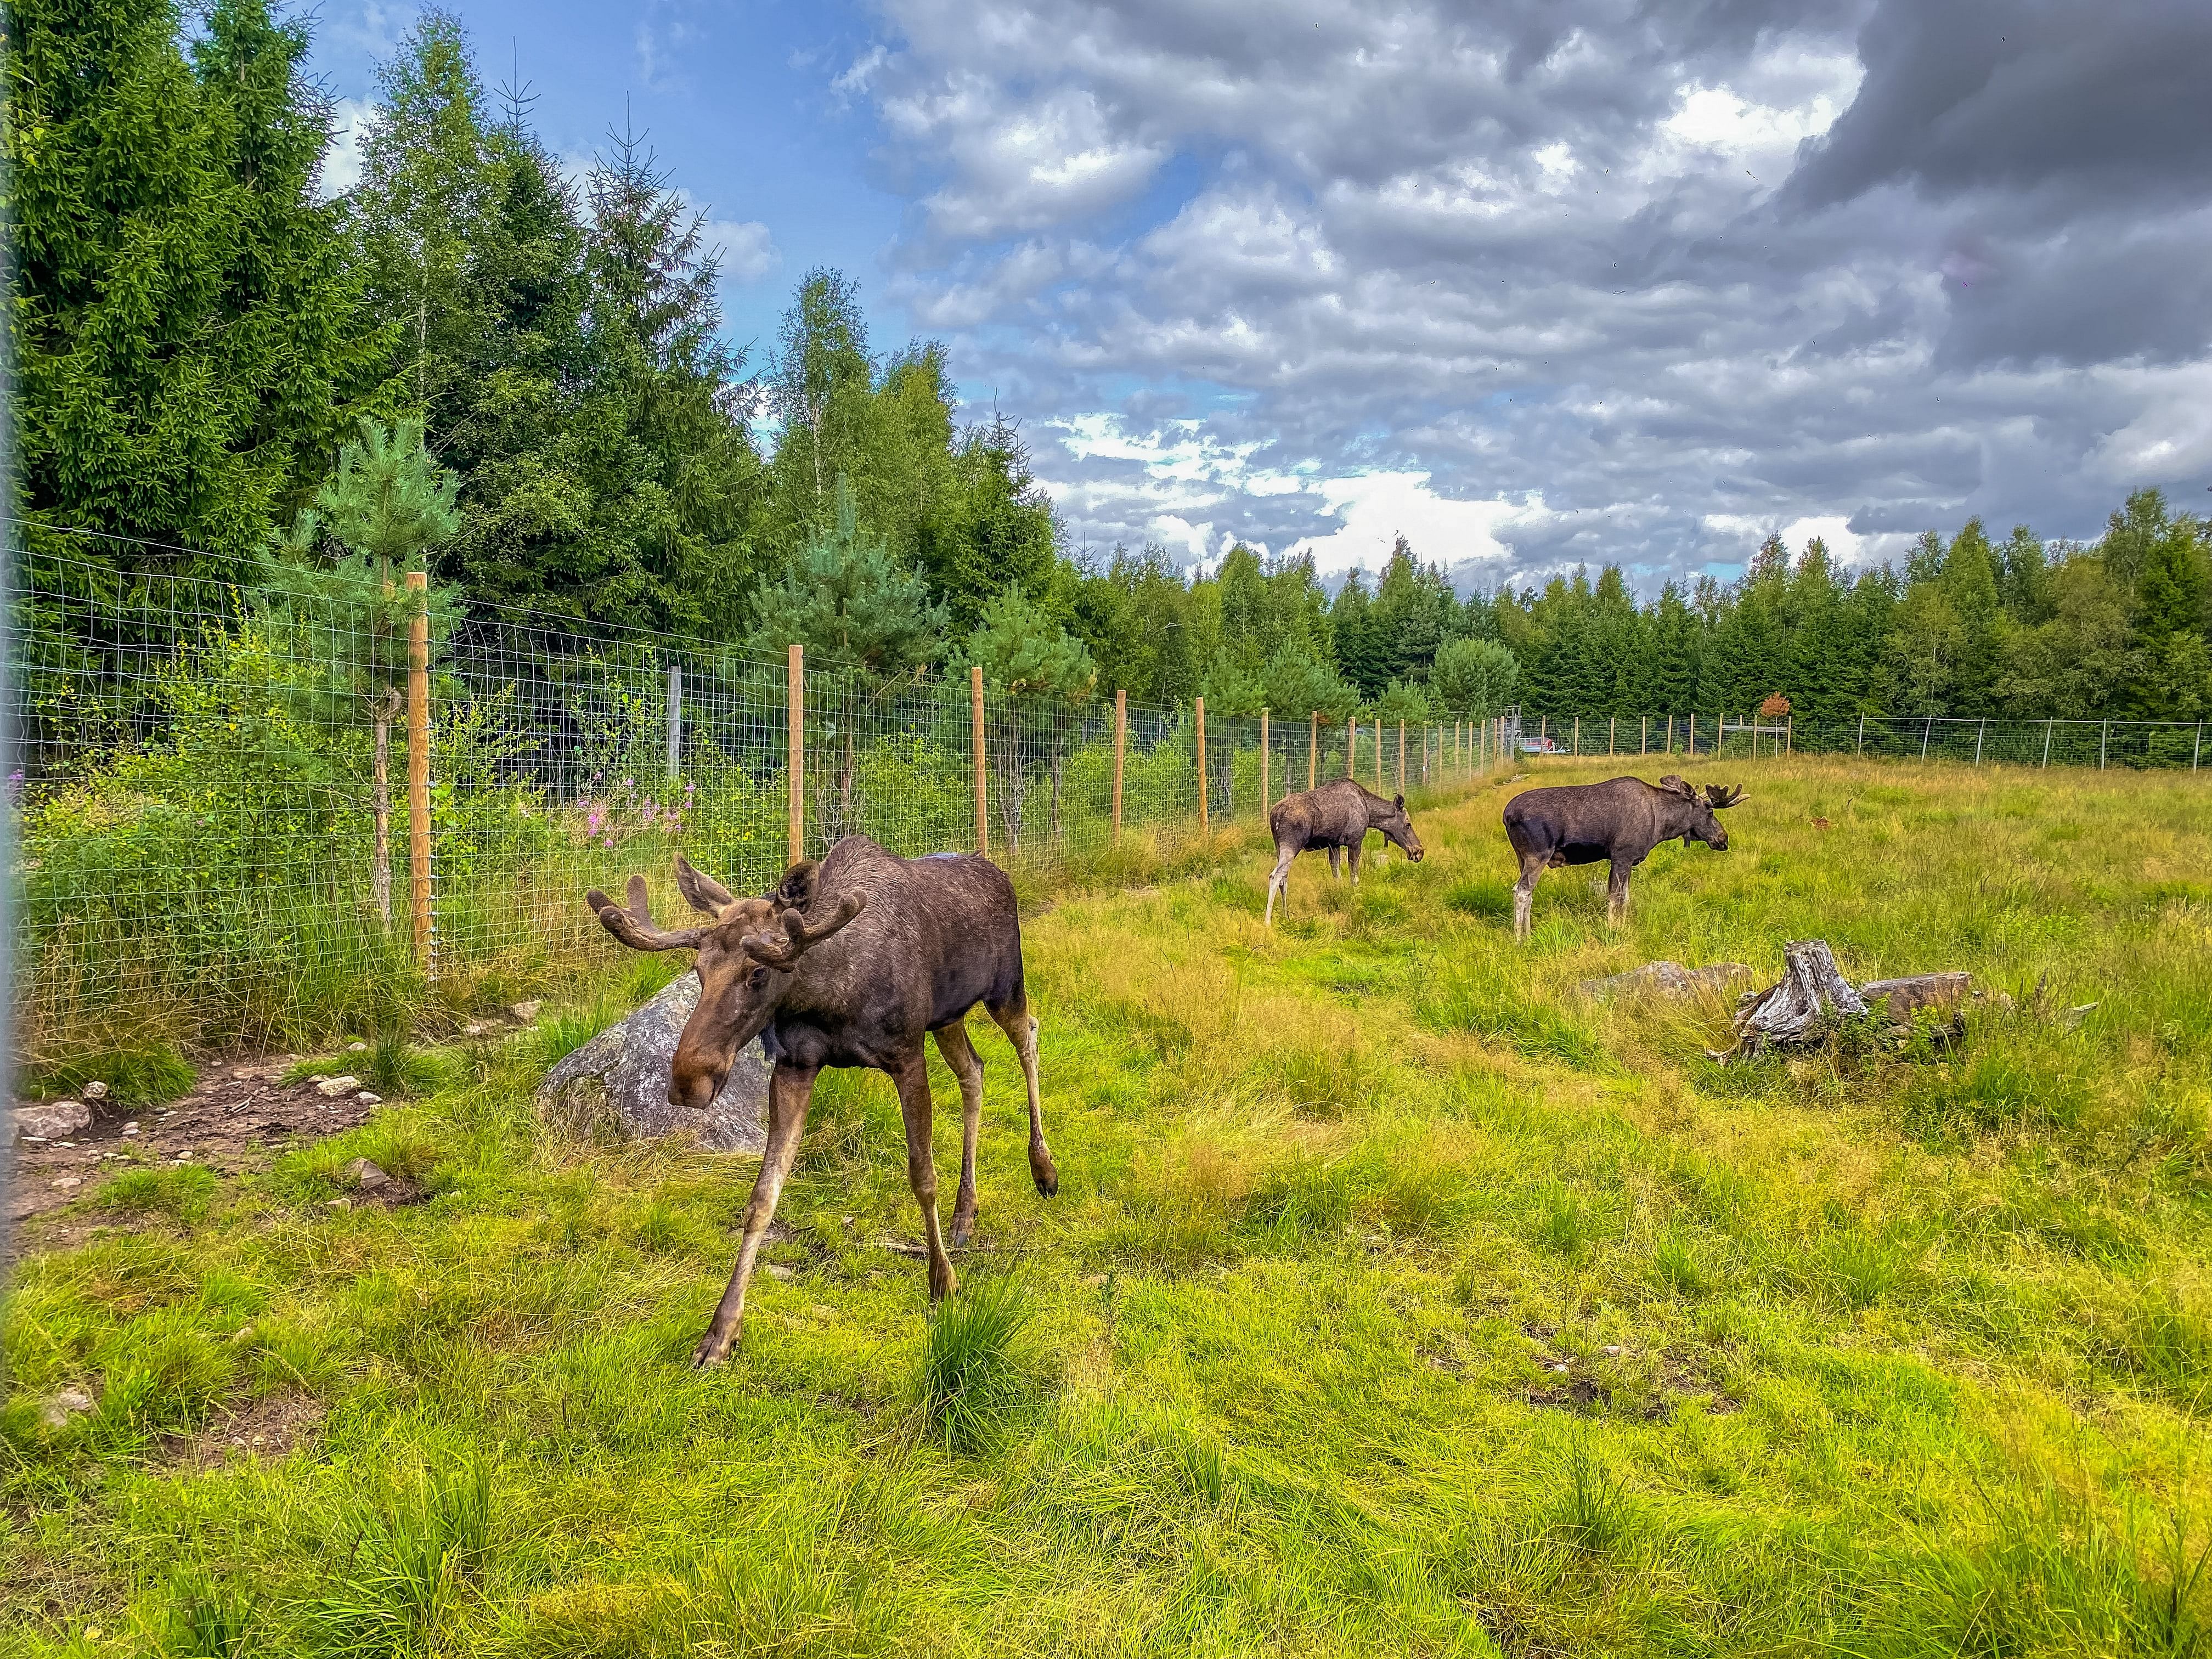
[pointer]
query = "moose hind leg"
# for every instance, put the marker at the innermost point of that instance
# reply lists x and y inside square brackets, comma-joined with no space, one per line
[1279,882]
[1524,893]
[1351,857]
[789,1090]
[915,1107]
[1616,891]
[1335,868]
[967,1066]
[1022,1031]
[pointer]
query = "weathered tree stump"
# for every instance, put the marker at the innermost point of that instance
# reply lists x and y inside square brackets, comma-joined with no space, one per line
[618,1082]
[1801,1010]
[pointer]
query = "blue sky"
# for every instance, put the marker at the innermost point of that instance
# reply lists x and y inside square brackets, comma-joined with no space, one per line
[1534,283]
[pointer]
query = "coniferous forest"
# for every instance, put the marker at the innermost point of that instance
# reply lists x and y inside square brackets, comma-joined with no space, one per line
[200,328]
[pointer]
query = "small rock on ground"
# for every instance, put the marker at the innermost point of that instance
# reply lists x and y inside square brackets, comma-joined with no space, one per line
[70,1403]
[335,1086]
[365,1175]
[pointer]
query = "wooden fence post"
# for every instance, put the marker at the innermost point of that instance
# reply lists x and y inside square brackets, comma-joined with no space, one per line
[1203,790]
[1401,757]
[1350,745]
[795,752]
[418,761]
[1694,734]
[1578,737]
[675,719]
[983,788]
[1644,735]
[1263,766]
[1378,757]
[1313,751]
[1120,743]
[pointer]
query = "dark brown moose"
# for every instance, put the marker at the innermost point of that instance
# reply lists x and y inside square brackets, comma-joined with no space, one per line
[1337,816]
[847,963]
[1621,820]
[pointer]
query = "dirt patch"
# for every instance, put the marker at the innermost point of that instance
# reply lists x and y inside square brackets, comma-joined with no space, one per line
[274,1426]
[237,1118]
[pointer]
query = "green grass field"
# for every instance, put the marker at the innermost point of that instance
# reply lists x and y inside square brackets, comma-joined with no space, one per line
[1395,1300]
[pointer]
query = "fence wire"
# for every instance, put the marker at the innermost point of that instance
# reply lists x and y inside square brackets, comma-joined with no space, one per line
[2107,744]
[216,837]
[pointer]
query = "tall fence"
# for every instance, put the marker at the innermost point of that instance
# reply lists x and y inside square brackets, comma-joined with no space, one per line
[2105,744]
[240,809]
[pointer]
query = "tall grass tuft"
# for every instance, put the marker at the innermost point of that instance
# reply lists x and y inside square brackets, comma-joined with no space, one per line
[417,1549]
[209,1617]
[971,1383]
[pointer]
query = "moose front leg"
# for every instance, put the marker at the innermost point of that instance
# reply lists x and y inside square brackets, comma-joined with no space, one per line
[915,1107]
[1335,868]
[789,1089]
[1351,857]
[967,1067]
[1616,891]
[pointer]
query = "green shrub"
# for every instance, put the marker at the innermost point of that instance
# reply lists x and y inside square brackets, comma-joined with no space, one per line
[151,1075]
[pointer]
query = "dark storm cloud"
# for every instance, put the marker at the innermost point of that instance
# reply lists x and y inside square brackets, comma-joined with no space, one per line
[1964,95]
[1563,280]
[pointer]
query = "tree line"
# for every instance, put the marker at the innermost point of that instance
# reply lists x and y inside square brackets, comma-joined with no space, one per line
[200,330]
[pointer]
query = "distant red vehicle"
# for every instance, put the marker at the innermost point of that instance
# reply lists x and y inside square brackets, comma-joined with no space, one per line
[1542,746]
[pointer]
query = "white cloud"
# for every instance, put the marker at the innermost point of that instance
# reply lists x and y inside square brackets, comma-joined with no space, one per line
[1376,508]
[341,172]
[748,253]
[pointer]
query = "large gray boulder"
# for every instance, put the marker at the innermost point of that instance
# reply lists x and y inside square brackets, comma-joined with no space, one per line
[1667,980]
[618,1082]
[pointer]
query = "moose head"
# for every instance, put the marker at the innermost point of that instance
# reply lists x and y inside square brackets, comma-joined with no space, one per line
[1397,828]
[1698,824]
[748,955]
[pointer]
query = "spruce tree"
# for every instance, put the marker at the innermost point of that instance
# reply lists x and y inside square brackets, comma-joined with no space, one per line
[189,337]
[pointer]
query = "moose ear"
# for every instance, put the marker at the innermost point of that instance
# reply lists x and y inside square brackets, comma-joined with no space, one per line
[1678,785]
[1400,803]
[797,887]
[701,892]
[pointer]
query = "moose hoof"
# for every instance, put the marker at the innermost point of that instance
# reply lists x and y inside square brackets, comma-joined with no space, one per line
[711,1352]
[1046,1177]
[942,1281]
[963,1229]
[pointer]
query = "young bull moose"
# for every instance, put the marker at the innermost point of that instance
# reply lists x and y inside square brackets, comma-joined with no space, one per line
[847,963]
[1621,820]
[1337,816]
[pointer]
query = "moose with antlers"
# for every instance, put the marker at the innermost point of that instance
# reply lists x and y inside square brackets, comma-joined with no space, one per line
[848,961]
[1620,820]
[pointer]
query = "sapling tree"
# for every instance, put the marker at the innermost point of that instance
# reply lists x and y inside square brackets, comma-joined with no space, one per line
[387,506]
[1044,671]
[1474,679]
[860,614]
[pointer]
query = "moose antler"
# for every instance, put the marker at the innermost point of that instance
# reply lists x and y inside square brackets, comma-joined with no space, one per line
[797,937]
[703,892]
[1678,785]
[1718,795]
[633,924]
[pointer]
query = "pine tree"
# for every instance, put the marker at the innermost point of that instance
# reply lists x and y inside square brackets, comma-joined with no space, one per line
[388,504]
[1474,679]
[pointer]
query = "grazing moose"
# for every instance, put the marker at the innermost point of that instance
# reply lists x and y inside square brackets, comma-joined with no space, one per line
[1621,820]
[1337,816]
[847,963]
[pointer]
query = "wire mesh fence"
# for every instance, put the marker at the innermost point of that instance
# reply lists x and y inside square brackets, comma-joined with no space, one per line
[252,811]
[2104,743]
